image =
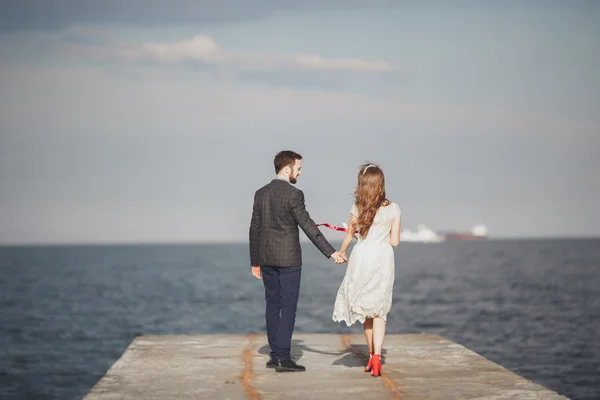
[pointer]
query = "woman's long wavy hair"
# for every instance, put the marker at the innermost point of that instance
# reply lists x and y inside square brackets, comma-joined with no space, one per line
[369,196]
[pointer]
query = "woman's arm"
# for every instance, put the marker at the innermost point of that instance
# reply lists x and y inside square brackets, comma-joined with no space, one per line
[395,232]
[349,235]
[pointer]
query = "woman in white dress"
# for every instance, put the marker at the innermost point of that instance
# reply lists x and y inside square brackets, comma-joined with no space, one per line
[365,294]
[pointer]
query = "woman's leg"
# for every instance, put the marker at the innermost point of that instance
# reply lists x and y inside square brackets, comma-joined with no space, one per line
[368,326]
[378,334]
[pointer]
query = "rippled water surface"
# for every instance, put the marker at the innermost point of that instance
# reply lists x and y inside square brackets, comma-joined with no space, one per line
[67,313]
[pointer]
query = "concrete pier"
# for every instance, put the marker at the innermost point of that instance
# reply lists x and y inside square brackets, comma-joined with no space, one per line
[416,366]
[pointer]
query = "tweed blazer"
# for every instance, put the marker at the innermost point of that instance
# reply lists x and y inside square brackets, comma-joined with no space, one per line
[277,213]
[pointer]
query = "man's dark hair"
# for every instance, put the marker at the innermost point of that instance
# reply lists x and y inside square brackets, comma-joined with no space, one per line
[285,158]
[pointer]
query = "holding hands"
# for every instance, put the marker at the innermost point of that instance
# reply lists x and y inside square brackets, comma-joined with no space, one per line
[339,257]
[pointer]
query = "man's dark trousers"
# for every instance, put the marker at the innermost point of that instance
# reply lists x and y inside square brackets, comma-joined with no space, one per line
[282,287]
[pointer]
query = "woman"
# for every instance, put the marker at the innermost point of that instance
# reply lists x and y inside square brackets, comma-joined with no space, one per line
[365,294]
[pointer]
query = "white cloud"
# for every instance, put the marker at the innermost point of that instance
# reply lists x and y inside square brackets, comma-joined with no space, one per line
[313,61]
[205,49]
[199,48]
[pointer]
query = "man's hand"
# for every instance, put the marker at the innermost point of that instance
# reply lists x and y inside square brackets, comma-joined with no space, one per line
[256,272]
[337,258]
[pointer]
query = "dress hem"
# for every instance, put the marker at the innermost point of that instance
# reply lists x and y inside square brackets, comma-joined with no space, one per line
[359,318]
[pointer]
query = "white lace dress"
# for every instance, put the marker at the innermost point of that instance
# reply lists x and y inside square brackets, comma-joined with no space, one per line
[366,290]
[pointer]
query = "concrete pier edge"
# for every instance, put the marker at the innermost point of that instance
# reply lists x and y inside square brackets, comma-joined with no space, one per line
[416,366]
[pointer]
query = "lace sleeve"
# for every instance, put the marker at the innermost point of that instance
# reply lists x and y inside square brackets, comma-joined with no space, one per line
[354,210]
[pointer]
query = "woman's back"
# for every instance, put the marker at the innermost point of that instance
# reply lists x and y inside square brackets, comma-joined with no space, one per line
[379,232]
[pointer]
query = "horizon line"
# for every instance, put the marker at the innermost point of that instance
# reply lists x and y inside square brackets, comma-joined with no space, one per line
[245,242]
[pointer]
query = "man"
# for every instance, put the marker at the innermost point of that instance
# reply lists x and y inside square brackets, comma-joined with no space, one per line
[276,256]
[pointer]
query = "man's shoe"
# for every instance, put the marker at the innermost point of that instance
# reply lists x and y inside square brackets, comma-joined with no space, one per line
[272,363]
[289,366]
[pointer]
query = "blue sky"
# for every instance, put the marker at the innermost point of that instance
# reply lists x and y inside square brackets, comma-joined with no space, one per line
[151,123]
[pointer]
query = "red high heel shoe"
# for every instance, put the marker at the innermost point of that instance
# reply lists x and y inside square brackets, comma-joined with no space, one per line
[376,365]
[370,364]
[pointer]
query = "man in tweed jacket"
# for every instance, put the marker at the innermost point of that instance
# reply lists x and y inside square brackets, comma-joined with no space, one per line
[276,256]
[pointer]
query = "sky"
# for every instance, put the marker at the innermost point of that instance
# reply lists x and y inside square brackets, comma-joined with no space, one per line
[154,121]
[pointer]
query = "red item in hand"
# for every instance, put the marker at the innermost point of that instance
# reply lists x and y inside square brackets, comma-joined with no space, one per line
[335,228]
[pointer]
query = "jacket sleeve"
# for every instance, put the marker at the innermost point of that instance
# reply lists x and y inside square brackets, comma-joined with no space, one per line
[302,217]
[254,233]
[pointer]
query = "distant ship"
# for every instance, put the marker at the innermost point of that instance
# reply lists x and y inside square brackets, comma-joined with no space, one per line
[479,232]
[424,234]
